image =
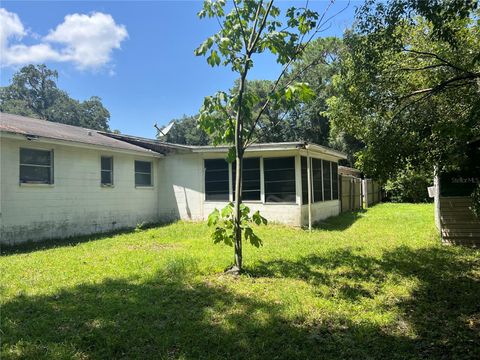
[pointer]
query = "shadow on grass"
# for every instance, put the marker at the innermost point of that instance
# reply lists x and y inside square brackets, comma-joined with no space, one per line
[340,222]
[172,317]
[164,318]
[444,310]
[32,246]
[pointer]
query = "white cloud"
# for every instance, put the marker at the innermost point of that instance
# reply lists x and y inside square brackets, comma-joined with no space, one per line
[11,27]
[84,40]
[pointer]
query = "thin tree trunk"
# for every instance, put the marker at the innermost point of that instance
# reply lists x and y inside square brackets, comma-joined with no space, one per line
[238,175]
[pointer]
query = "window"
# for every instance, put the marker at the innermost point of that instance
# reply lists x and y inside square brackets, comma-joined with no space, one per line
[251,179]
[304,180]
[279,179]
[106,170]
[327,184]
[335,180]
[36,166]
[143,173]
[216,180]
[316,180]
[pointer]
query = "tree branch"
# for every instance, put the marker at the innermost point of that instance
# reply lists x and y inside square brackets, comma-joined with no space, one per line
[430,54]
[262,25]
[241,25]
[254,28]
[468,77]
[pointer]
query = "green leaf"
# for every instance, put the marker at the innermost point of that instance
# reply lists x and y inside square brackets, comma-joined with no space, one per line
[213,59]
[252,237]
[213,217]
[204,47]
[258,219]
[227,210]
[231,155]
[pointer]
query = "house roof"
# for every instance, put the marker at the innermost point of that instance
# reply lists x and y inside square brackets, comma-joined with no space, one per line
[275,146]
[345,170]
[152,144]
[36,128]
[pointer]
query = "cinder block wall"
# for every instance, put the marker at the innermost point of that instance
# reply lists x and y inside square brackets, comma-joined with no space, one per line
[76,203]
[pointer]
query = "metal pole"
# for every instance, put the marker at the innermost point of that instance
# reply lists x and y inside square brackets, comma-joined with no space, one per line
[309,192]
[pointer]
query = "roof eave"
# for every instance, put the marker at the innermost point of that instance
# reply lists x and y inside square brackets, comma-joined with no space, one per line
[49,140]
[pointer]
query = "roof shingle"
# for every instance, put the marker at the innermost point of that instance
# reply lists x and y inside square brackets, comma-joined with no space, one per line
[16,124]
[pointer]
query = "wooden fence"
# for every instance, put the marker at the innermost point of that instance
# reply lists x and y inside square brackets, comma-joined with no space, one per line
[372,193]
[356,193]
[351,193]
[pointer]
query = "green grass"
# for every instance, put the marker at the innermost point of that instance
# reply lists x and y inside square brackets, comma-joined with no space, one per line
[368,285]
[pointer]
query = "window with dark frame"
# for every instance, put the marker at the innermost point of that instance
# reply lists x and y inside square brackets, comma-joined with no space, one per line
[250,181]
[335,180]
[143,173]
[106,170]
[279,178]
[216,180]
[36,166]
[327,184]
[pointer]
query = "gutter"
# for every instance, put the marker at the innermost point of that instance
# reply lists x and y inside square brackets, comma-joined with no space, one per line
[324,149]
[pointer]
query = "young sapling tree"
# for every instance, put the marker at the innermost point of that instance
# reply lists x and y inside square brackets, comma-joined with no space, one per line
[248,28]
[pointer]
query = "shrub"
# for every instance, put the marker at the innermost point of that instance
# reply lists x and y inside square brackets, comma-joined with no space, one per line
[409,186]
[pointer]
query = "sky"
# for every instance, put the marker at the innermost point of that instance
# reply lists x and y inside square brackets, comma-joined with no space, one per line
[137,56]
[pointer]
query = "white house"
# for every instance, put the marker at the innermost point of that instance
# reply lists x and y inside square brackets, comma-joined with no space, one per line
[59,181]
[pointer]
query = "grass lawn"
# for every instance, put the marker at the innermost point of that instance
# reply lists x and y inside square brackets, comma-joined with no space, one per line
[368,285]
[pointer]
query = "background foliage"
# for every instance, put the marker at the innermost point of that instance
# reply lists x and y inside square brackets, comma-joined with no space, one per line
[34,92]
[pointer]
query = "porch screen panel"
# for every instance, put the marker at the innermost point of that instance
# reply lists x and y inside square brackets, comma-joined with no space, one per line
[317,180]
[216,180]
[304,180]
[279,175]
[335,180]
[327,184]
[251,179]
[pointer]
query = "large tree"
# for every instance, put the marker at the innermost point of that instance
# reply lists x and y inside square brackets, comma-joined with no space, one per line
[409,85]
[249,28]
[34,92]
[186,131]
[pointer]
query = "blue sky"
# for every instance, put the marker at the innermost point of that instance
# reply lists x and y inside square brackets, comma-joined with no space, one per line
[143,67]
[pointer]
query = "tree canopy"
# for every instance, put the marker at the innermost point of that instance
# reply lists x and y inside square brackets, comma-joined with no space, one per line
[34,92]
[186,131]
[408,88]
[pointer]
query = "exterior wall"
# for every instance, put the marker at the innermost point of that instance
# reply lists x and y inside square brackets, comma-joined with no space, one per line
[320,211]
[284,213]
[182,194]
[181,191]
[436,184]
[288,214]
[76,203]
[458,224]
